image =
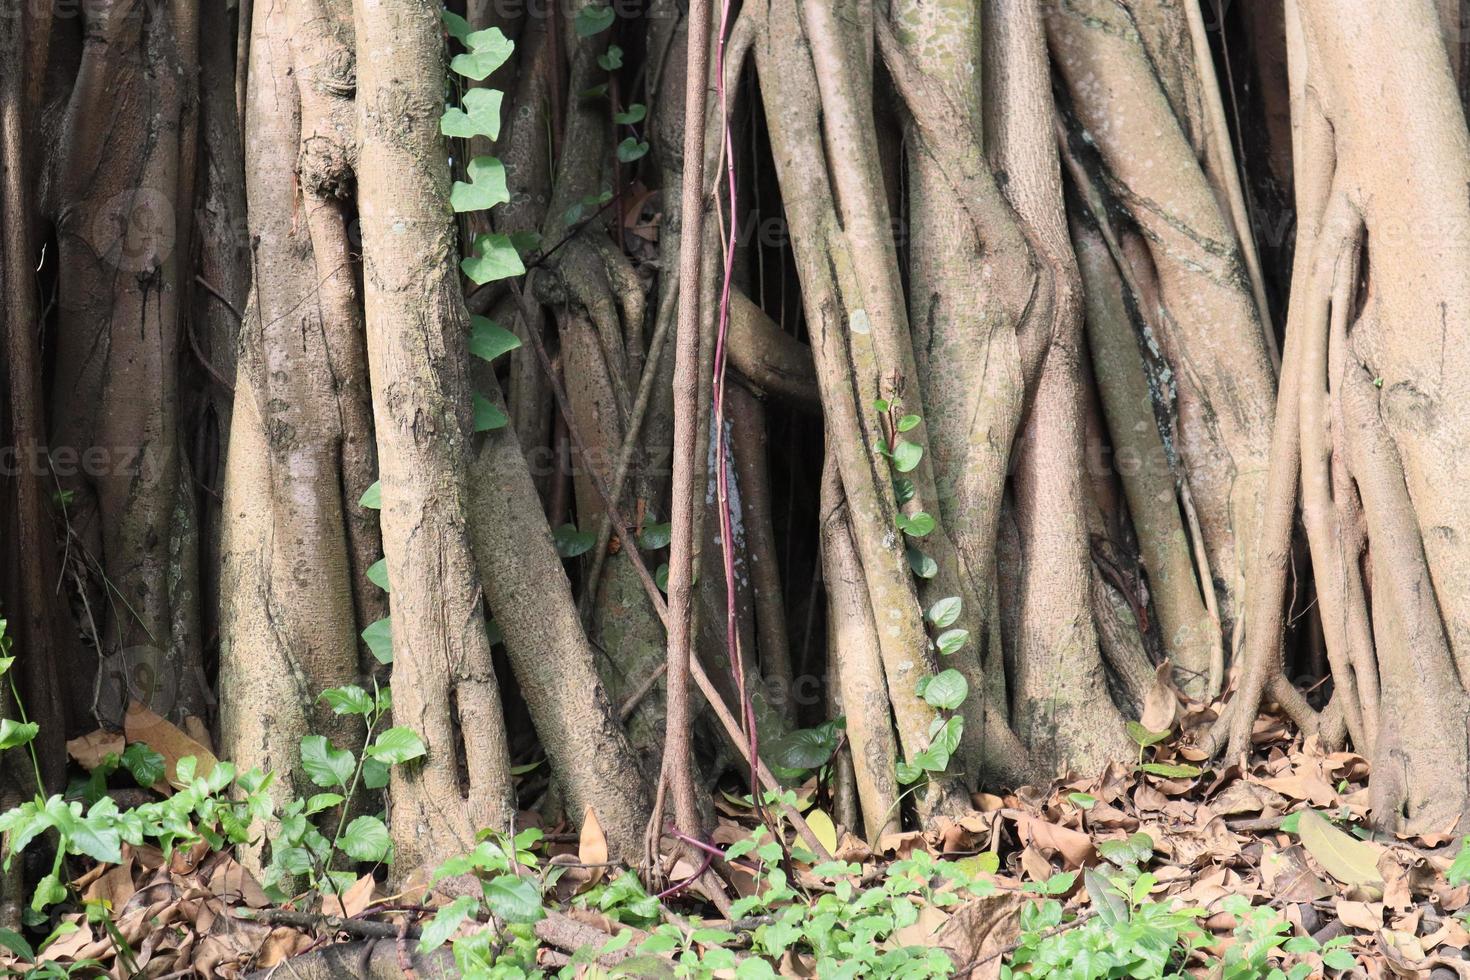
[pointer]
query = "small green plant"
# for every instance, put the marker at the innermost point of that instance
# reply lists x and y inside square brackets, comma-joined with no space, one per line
[298,847]
[200,811]
[1146,740]
[218,809]
[849,930]
[510,882]
[1128,937]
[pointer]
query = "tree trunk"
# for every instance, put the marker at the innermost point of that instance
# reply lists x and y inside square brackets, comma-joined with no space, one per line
[417,332]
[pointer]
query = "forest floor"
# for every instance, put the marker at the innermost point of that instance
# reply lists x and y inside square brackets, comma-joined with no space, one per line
[1169,867]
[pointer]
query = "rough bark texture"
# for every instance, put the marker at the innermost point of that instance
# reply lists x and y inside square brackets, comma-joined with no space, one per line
[289,620]
[417,329]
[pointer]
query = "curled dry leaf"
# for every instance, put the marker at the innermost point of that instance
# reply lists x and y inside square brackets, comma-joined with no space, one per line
[1160,704]
[592,846]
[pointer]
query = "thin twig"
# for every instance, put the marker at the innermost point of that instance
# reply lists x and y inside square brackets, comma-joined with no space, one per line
[655,596]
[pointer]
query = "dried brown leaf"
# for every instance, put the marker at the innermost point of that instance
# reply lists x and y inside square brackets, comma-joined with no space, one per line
[89,750]
[982,930]
[1360,915]
[168,740]
[1350,861]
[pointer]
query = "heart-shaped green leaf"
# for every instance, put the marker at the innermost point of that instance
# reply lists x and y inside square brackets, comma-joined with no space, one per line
[514,899]
[943,613]
[593,19]
[632,149]
[496,259]
[377,574]
[488,415]
[14,733]
[379,639]
[488,50]
[479,117]
[485,189]
[489,339]
[570,542]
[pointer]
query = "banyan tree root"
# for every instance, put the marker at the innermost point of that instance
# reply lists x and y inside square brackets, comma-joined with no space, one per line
[1372,358]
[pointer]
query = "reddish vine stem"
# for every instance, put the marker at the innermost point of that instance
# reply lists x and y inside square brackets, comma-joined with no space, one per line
[676,764]
[655,597]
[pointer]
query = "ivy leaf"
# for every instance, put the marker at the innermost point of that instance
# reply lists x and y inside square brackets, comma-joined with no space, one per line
[379,639]
[635,114]
[348,700]
[457,26]
[661,578]
[944,612]
[377,574]
[488,415]
[514,899]
[14,733]
[146,765]
[921,564]
[5,662]
[365,839]
[951,641]
[1083,800]
[90,836]
[372,497]
[1136,849]
[805,748]
[907,773]
[611,59]
[479,117]
[918,526]
[488,50]
[903,490]
[488,339]
[632,149]
[908,422]
[446,921]
[946,690]
[396,745]
[947,737]
[906,456]
[655,536]
[496,259]
[324,763]
[1111,908]
[593,19]
[486,187]
[570,542]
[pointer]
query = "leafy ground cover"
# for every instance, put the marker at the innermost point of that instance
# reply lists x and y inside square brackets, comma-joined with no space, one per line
[1170,867]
